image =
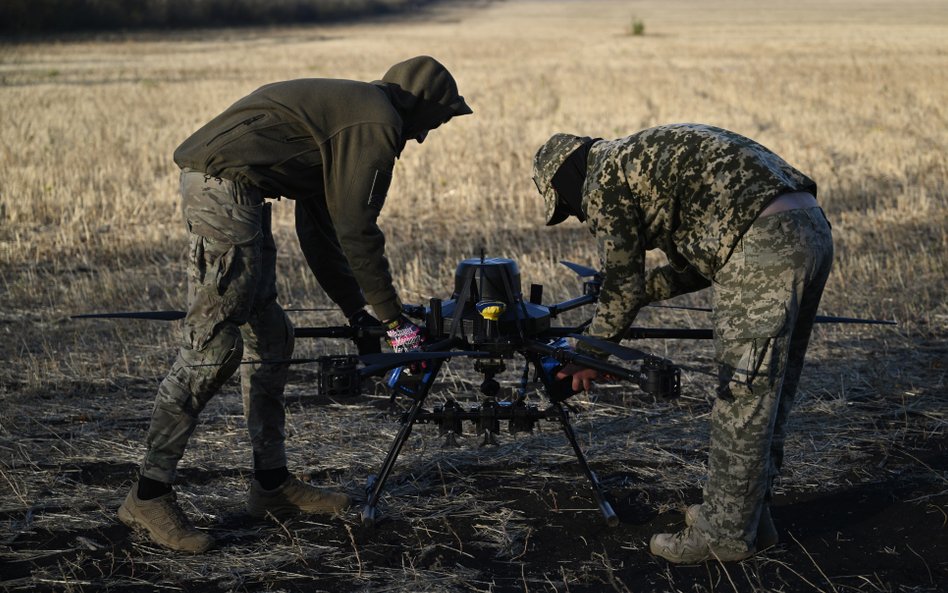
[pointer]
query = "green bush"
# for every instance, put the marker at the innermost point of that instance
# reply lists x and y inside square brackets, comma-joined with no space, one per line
[636,27]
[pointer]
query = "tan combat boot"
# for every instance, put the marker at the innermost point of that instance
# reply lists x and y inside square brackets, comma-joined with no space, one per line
[294,496]
[766,530]
[690,546]
[164,521]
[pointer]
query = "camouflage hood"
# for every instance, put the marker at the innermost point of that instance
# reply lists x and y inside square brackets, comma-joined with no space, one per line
[424,93]
[547,162]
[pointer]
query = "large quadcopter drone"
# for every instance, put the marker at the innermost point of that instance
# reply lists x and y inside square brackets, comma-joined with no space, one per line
[488,319]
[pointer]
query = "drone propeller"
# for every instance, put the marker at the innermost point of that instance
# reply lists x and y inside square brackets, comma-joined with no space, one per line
[581,270]
[621,352]
[680,307]
[170,315]
[833,319]
[153,315]
[629,354]
[818,319]
[334,331]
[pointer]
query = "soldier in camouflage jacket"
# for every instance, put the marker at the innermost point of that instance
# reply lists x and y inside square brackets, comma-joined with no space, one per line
[729,214]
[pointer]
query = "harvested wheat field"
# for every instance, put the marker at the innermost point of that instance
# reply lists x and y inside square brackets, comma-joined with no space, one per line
[852,92]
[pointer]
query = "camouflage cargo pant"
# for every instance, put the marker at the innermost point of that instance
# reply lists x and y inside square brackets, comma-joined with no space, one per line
[232,311]
[765,299]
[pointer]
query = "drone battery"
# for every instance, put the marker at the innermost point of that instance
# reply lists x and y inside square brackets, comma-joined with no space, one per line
[339,376]
[494,279]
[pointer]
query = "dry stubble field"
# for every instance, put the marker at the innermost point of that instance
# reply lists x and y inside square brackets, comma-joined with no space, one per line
[853,93]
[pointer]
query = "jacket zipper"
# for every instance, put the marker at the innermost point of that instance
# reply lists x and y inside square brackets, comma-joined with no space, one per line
[246,122]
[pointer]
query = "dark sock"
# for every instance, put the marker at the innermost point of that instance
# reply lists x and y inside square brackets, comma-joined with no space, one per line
[149,489]
[271,478]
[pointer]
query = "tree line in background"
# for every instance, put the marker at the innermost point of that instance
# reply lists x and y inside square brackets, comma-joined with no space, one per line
[24,17]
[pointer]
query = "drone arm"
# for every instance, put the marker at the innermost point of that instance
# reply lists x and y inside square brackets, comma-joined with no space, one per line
[568,356]
[571,304]
[645,333]
[444,345]
[338,331]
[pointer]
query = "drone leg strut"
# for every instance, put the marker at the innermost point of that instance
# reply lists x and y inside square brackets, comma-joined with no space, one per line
[375,484]
[605,508]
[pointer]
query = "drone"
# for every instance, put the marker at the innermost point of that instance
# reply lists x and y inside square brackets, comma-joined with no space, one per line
[488,319]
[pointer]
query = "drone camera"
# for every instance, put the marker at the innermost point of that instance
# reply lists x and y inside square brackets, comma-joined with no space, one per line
[662,378]
[339,376]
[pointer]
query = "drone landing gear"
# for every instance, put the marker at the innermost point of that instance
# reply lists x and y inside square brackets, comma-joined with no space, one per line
[605,508]
[375,484]
[487,417]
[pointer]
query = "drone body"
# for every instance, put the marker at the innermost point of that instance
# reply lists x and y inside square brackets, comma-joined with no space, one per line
[487,314]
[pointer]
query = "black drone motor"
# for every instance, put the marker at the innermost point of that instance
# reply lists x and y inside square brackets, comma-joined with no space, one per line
[662,378]
[339,376]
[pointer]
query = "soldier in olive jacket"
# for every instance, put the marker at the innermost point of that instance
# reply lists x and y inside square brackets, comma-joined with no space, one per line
[728,214]
[331,145]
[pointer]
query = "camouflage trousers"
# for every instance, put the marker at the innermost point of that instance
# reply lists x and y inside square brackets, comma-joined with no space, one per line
[765,300]
[232,311]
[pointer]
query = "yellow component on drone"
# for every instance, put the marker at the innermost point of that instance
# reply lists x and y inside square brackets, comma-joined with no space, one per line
[491,310]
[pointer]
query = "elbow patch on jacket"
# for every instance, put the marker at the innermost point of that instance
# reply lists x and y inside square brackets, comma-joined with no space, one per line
[380,185]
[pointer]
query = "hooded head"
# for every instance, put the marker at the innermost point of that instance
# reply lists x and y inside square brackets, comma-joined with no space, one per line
[424,93]
[559,169]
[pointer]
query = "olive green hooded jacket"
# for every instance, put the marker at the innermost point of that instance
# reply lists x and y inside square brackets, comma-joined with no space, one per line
[331,145]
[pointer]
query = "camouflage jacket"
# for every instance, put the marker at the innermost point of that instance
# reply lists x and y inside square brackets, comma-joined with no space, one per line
[690,190]
[333,144]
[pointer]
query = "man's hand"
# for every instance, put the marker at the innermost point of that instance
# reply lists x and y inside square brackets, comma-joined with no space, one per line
[403,335]
[366,344]
[582,377]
